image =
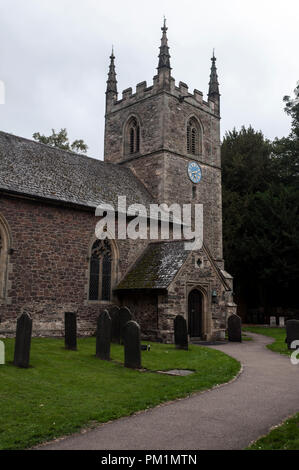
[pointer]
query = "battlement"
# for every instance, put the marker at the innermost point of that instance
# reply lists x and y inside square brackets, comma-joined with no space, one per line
[181,92]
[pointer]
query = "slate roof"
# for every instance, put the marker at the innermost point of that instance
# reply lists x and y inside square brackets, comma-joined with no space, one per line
[39,170]
[157,267]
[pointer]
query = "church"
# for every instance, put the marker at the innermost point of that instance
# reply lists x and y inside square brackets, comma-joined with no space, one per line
[51,261]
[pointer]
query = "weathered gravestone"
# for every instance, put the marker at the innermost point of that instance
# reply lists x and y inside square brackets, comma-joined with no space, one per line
[70,331]
[23,341]
[132,345]
[103,336]
[180,332]
[292,328]
[272,321]
[124,317]
[115,331]
[281,322]
[234,328]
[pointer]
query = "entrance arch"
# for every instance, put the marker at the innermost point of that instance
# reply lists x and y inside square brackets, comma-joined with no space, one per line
[195,313]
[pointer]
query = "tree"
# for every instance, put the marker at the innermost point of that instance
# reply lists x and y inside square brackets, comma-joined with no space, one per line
[260,214]
[61,141]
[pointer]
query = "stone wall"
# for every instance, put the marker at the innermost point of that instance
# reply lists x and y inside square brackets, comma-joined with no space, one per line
[49,266]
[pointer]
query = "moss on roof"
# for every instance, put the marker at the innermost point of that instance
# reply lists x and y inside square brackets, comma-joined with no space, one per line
[157,267]
[36,169]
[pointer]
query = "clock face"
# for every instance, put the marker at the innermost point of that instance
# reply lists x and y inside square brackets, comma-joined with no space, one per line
[194,172]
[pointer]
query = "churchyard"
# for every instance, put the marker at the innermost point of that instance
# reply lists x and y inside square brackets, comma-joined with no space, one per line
[65,385]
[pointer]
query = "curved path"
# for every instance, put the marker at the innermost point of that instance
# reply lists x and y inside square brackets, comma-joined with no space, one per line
[228,417]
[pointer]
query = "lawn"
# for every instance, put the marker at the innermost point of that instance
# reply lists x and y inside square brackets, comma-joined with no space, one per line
[286,436]
[64,390]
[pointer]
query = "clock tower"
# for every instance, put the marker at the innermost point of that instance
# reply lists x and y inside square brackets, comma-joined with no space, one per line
[170,139]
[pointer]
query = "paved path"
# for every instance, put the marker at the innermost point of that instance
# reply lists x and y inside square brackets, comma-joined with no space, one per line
[229,417]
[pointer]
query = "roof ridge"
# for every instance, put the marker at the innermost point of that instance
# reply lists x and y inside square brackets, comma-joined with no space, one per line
[65,151]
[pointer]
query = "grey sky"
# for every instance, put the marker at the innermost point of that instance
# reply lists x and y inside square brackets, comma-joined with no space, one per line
[54,57]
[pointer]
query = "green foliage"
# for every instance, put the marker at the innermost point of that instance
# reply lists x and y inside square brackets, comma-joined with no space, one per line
[61,141]
[260,213]
[66,390]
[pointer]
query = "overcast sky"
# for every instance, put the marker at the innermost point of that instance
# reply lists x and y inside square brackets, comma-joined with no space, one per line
[54,57]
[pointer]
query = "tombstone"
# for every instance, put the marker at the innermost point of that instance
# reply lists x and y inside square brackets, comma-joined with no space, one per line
[23,341]
[115,331]
[272,321]
[70,331]
[103,336]
[132,343]
[234,328]
[292,328]
[281,322]
[124,316]
[180,332]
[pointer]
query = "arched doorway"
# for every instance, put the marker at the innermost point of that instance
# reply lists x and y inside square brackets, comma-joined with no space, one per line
[195,307]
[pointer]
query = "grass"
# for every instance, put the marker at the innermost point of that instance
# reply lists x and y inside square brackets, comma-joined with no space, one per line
[64,391]
[285,436]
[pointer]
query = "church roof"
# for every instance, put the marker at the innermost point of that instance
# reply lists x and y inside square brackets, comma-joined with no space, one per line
[157,266]
[34,169]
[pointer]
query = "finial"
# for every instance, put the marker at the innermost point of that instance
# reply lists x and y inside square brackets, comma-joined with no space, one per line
[164,27]
[112,82]
[213,85]
[164,56]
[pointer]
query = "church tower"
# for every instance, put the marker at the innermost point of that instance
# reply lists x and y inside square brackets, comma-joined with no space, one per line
[160,129]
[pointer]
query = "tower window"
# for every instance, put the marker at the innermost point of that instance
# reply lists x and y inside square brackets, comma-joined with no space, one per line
[132,137]
[193,137]
[100,271]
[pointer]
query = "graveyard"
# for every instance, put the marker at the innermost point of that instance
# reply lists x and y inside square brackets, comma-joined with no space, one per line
[65,390]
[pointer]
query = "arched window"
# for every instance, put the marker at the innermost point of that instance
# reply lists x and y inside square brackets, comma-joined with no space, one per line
[100,271]
[193,137]
[132,137]
[4,249]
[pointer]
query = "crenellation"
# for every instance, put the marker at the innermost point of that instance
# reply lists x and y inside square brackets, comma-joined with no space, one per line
[198,96]
[141,88]
[127,93]
[183,88]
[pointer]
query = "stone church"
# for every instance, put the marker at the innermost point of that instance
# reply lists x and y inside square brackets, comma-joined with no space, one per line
[50,259]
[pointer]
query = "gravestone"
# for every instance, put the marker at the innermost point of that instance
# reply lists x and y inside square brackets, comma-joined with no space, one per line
[115,331]
[292,328]
[124,317]
[70,331]
[281,322]
[272,321]
[23,341]
[234,328]
[132,345]
[180,332]
[103,336]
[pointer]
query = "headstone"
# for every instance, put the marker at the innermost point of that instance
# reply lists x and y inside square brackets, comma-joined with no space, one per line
[281,322]
[180,332]
[292,328]
[70,331]
[234,328]
[103,336]
[132,345]
[124,316]
[115,331]
[23,341]
[272,321]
